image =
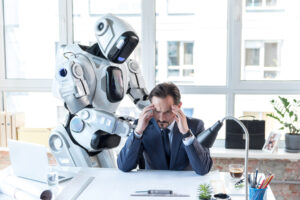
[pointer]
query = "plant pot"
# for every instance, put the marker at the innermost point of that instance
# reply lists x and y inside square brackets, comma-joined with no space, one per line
[292,143]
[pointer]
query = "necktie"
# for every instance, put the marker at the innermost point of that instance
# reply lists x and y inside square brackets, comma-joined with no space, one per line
[166,143]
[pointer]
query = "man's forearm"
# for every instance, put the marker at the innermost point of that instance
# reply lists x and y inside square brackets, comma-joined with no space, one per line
[128,157]
[199,157]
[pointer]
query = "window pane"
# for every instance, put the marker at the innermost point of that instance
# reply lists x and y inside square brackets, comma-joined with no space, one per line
[173,53]
[188,72]
[271,2]
[179,6]
[270,74]
[41,109]
[31,37]
[271,55]
[173,72]
[193,36]
[188,53]
[209,108]
[252,56]
[259,106]
[270,40]
[86,13]
[254,2]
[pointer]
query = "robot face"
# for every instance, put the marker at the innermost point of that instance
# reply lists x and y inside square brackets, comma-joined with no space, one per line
[116,38]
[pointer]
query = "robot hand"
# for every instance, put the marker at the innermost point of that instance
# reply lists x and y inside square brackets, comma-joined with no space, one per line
[92,81]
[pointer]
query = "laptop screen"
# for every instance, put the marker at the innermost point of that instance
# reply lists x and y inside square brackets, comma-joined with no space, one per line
[28,160]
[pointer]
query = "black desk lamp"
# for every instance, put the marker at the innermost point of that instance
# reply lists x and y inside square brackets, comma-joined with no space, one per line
[208,137]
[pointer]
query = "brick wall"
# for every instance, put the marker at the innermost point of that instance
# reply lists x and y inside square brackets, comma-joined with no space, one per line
[283,170]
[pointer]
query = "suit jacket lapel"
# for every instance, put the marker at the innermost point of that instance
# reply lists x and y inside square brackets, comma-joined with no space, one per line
[176,142]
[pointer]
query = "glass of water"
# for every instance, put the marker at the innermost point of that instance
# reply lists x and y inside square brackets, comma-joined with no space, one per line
[52,178]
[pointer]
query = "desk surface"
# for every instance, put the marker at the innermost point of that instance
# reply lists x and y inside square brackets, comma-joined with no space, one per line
[114,184]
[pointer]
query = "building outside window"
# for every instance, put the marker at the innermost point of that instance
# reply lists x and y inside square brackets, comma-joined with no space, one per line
[180,60]
[262,60]
[261,3]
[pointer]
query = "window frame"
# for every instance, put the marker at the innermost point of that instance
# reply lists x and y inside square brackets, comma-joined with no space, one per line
[234,84]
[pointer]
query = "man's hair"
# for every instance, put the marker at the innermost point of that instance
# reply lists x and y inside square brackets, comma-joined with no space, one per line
[163,90]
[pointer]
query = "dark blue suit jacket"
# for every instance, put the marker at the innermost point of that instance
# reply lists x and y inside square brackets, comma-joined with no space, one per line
[183,157]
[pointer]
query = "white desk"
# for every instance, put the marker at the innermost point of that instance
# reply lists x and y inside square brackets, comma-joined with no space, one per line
[113,184]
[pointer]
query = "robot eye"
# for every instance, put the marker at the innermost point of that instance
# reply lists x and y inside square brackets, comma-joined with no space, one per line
[100,26]
[63,72]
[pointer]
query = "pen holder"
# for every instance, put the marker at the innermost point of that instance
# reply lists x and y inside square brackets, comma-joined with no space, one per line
[257,194]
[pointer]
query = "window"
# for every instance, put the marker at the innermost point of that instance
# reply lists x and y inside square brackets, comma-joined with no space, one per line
[209,108]
[97,7]
[189,36]
[173,53]
[180,60]
[220,53]
[30,44]
[261,3]
[177,7]
[262,60]
[41,108]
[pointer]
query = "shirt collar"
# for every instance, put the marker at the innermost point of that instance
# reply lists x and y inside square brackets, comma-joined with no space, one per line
[171,126]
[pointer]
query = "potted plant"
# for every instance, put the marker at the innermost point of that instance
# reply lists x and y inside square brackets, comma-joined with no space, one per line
[205,192]
[286,113]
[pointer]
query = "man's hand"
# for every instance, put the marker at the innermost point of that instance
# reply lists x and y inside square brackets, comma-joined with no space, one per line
[180,118]
[144,119]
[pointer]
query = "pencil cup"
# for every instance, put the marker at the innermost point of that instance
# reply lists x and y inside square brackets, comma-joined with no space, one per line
[257,194]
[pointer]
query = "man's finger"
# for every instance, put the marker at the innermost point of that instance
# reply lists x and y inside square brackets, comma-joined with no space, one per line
[146,109]
[178,111]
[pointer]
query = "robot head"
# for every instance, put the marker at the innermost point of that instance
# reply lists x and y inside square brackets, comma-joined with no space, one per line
[115,37]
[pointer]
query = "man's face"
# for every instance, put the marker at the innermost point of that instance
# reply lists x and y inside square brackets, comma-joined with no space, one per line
[163,110]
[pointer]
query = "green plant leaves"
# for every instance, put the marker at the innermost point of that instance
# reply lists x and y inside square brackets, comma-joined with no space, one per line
[205,191]
[286,113]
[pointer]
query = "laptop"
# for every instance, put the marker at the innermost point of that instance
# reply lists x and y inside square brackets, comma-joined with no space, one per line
[30,161]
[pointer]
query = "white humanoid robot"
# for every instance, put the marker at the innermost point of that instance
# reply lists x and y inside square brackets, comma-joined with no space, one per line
[92,81]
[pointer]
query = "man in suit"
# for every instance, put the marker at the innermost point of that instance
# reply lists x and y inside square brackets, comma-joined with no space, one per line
[165,137]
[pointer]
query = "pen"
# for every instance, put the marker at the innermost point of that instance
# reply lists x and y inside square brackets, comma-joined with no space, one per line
[239,182]
[261,184]
[156,192]
[255,181]
[270,178]
[258,182]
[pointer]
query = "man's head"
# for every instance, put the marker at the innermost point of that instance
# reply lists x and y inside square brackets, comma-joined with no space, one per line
[163,97]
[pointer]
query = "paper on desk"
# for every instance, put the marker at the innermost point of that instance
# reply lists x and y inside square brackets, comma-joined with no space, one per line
[20,189]
[76,186]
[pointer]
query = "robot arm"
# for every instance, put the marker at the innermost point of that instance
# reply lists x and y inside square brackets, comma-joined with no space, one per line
[136,88]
